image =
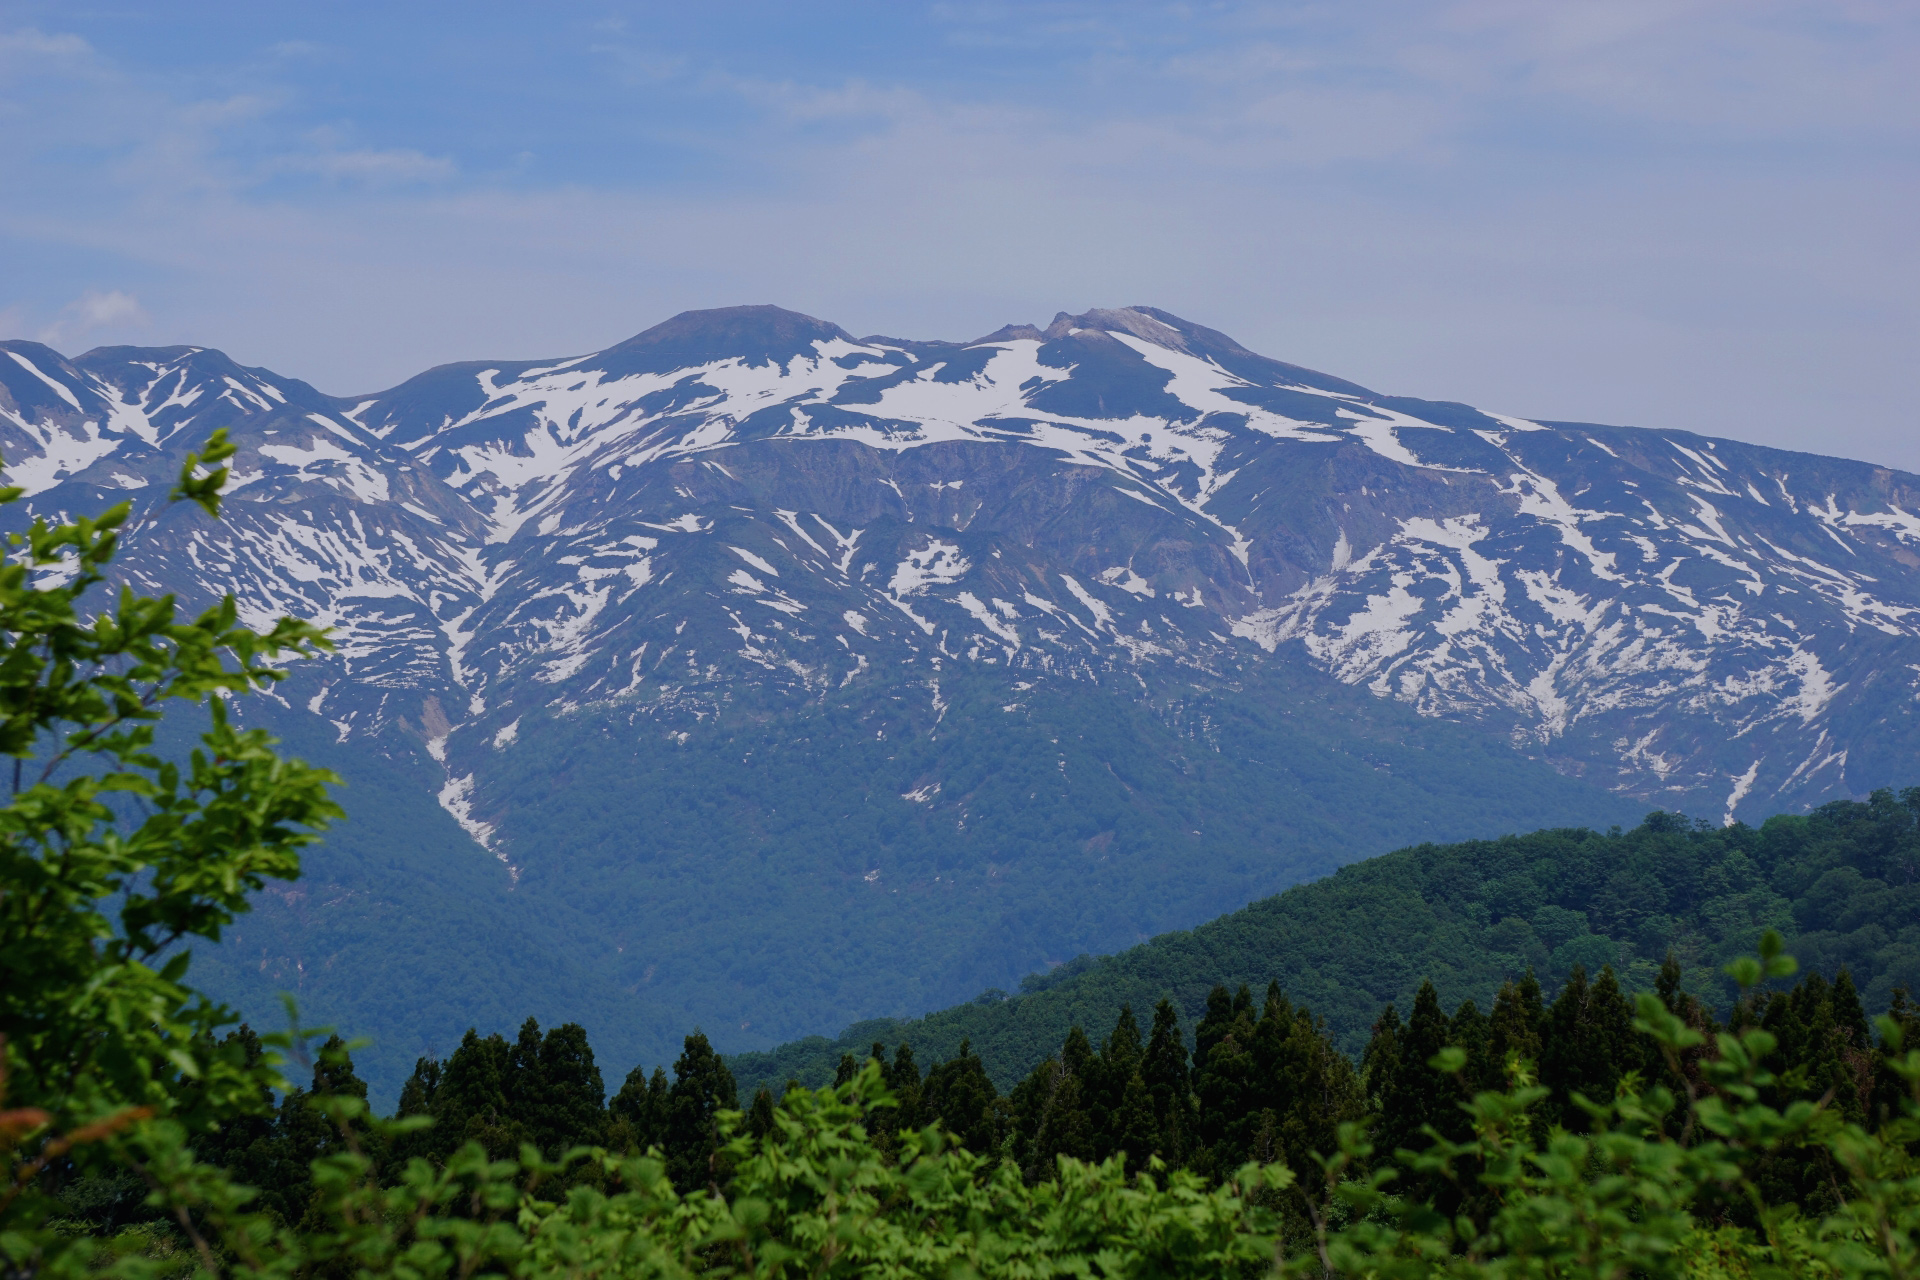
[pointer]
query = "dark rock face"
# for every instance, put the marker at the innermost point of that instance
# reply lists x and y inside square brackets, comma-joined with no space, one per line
[749,517]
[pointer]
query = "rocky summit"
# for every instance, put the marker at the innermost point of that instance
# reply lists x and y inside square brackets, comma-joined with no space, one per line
[788,677]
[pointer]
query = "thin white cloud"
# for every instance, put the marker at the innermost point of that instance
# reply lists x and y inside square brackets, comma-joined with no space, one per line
[91,312]
[396,165]
[39,44]
[637,64]
[1747,68]
[799,102]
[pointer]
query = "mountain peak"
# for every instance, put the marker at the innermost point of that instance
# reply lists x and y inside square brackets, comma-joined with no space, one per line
[1144,323]
[757,334]
[1149,323]
[1012,333]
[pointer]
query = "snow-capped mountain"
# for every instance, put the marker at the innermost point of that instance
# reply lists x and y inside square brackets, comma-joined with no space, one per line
[745,511]
[1119,494]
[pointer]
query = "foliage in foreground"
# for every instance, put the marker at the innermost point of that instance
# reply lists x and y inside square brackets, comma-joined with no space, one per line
[110,855]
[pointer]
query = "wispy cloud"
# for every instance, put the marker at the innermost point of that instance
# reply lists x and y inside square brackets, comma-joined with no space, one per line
[393,166]
[91,312]
[31,42]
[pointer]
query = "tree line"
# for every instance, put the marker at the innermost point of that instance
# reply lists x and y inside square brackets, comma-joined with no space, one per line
[1262,1082]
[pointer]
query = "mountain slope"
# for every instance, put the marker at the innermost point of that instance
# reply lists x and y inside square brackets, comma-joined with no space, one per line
[767,871]
[776,676]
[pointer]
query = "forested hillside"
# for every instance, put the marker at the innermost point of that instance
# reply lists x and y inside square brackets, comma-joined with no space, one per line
[1839,882]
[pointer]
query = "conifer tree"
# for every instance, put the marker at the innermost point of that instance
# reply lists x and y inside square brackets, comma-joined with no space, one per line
[1655,1066]
[882,1123]
[1418,1095]
[1589,1044]
[760,1114]
[903,1079]
[1889,1092]
[306,1133]
[629,1119]
[702,1088]
[1849,1014]
[1049,1119]
[1282,1069]
[1667,986]
[1809,1061]
[522,1078]
[1472,1032]
[1331,1095]
[334,1076]
[1222,1010]
[1135,1130]
[1801,1022]
[242,1142]
[526,1054]
[960,1095]
[1104,1084]
[1049,1110]
[1226,1087]
[1515,1028]
[1123,1047]
[637,1115]
[416,1095]
[1213,1024]
[1163,1069]
[472,1100]
[1854,1046]
[248,1145]
[1380,1062]
[563,1101]
[1304,1087]
[1076,1053]
[416,1099]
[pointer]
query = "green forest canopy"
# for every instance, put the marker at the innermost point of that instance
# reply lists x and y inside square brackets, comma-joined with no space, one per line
[1840,883]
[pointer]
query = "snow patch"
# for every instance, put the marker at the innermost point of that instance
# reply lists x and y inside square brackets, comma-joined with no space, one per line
[1741,786]
[754,560]
[457,799]
[1127,580]
[935,564]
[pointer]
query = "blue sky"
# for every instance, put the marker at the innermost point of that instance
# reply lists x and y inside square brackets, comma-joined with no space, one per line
[1692,213]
